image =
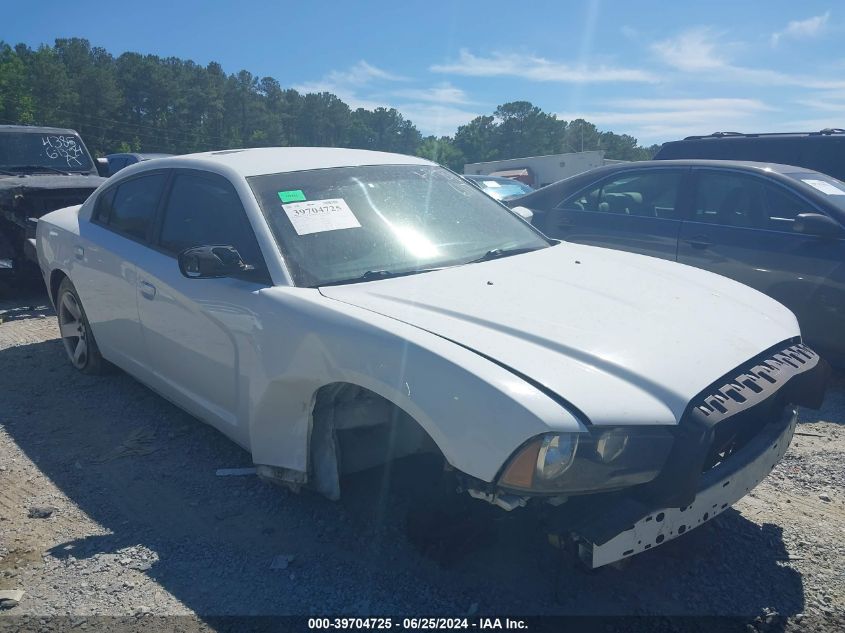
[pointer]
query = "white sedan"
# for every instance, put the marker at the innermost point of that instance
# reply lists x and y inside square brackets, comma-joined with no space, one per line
[330,310]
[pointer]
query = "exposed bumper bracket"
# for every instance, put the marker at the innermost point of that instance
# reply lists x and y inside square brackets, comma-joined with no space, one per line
[720,488]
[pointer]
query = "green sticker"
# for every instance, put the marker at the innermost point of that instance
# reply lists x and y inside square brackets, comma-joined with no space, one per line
[292,196]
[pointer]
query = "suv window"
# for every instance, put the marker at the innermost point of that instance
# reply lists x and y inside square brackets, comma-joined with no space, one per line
[651,194]
[205,210]
[746,201]
[134,204]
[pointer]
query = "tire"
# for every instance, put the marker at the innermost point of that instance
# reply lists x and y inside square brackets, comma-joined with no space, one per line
[77,337]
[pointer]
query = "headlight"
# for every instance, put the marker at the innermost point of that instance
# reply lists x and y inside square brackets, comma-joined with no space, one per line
[556,455]
[611,444]
[601,459]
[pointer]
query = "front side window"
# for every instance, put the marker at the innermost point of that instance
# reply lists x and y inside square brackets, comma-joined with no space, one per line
[782,207]
[730,199]
[134,205]
[204,210]
[336,225]
[748,202]
[646,194]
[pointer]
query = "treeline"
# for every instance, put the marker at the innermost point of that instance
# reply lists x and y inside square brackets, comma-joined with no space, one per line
[152,104]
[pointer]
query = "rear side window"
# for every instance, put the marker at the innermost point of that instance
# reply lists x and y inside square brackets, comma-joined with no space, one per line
[103,209]
[206,210]
[134,204]
[651,194]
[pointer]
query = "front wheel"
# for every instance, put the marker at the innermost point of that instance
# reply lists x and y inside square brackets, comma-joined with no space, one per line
[77,338]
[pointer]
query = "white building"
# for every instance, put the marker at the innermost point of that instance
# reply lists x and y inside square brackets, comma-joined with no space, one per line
[539,171]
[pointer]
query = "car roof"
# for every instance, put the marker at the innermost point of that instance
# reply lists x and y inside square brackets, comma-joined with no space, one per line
[826,132]
[36,129]
[704,162]
[274,160]
[586,177]
[774,171]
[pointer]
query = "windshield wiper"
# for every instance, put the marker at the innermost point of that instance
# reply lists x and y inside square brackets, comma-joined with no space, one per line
[40,168]
[372,275]
[497,253]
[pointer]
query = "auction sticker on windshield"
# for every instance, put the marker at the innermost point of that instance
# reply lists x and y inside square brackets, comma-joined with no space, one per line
[316,216]
[292,196]
[825,187]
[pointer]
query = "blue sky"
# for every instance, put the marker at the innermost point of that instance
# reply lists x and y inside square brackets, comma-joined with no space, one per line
[656,70]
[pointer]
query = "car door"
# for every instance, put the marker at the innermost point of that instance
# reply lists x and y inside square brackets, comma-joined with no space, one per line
[199,332]
[741,226]
[104,272]
[638,211]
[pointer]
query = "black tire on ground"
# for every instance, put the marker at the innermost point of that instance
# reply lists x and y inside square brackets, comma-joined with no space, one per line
[75,330]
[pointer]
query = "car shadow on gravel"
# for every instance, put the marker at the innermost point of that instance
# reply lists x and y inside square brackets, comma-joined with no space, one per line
[145,472]
[833,408]
[30,305]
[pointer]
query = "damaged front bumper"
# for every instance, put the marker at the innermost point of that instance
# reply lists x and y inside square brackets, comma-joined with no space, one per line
[728,441]
[720,487]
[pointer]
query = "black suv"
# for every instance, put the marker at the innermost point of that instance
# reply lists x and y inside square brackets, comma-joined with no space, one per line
[41,169]
[822,151]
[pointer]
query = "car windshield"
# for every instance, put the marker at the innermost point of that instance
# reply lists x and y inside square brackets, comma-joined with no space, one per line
[34,151]
[833,189]
[349,224]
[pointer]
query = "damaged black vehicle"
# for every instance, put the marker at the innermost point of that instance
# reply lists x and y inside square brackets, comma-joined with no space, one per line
[41,169]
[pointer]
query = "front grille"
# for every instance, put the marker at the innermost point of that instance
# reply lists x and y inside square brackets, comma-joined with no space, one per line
[757,383]
[742,406]
[732,411]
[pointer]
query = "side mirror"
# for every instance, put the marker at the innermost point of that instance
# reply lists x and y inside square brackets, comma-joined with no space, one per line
[523,212]
[208,262]
[816,224]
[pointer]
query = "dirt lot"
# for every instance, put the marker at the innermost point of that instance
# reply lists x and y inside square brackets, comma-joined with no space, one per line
[141,524]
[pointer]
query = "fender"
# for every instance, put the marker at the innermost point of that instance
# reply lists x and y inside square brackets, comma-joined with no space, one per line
[316,341]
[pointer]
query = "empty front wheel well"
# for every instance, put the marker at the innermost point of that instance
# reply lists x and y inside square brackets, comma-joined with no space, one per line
[56,278]
[354,429]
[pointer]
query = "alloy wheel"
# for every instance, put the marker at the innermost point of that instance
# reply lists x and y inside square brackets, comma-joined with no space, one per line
[73,330]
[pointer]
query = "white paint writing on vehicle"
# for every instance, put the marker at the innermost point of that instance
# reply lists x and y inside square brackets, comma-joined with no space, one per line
[63,147]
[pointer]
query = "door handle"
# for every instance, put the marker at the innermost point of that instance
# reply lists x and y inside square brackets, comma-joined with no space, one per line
[148,290]
[699,241]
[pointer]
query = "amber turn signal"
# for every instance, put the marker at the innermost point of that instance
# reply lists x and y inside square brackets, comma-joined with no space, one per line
[520,472]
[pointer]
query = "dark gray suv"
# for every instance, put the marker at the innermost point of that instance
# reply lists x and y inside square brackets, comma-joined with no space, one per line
[776,228]
[822,151]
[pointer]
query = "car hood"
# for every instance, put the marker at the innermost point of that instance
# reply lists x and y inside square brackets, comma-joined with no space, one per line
[627,339]
[49,181]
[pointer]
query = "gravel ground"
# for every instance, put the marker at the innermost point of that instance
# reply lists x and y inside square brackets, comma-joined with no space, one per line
[139,524]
